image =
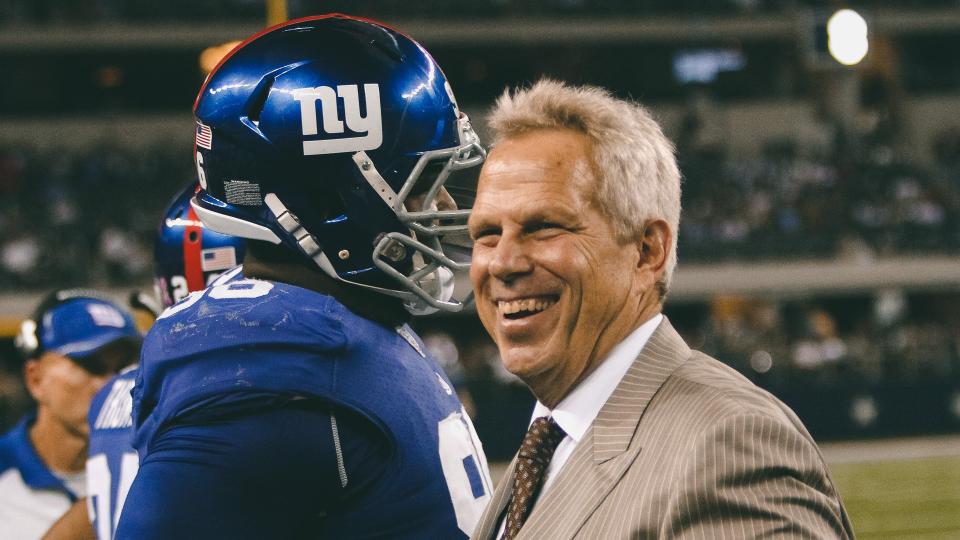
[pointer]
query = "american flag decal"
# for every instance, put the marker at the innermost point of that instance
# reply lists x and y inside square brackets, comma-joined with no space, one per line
[204,136]
[215,259]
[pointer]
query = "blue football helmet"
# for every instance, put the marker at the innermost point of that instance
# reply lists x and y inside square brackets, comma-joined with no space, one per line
[187,256]
[333,136]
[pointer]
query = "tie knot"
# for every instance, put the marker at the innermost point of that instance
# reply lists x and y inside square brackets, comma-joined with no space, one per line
[542,439]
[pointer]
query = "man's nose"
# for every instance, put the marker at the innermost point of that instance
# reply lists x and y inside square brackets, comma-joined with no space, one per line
[511,258]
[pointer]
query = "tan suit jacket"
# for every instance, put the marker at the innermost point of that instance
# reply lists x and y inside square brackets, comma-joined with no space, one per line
[685,448]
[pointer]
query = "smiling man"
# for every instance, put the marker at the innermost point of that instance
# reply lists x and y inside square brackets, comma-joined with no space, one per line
[634,435]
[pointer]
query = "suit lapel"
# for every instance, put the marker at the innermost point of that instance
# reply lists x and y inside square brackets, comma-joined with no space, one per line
[605,453]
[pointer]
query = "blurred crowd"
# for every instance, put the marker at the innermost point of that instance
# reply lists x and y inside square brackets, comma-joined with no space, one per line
[849,366]
[83,217]
[823,193]
[79,11]
[89,217]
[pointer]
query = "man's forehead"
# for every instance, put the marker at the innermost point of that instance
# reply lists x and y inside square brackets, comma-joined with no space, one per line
[518,180]
[516,169]
[514,163]
[546,200]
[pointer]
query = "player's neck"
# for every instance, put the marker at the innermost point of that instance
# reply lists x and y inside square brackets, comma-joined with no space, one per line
[367,304]
[61,449]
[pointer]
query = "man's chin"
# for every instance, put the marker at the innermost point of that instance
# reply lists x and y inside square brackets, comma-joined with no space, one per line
[525,362]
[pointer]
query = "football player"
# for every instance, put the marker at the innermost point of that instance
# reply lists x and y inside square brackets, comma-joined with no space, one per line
[290,399]
[187,256]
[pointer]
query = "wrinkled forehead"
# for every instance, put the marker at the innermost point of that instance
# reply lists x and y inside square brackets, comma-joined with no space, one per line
[521,173]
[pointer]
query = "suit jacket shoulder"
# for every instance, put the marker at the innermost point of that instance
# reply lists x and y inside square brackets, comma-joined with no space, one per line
[744,464]
[714,391]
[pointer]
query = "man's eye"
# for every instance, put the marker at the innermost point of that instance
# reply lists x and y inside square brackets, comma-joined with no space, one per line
[485,233]
[545,226]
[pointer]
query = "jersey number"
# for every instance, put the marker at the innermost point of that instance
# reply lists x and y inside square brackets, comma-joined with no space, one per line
[99,481]
[178,284]
[465,469]
[223,289]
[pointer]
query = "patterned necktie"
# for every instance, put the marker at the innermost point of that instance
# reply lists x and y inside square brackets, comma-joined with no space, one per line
[535,454]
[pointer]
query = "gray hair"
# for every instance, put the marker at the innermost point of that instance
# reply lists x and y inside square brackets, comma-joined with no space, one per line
[638,174]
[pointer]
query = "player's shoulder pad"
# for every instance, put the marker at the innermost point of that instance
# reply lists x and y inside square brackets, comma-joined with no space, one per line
[235,311]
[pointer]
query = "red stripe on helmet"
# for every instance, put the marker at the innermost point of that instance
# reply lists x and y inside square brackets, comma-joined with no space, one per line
[192,244]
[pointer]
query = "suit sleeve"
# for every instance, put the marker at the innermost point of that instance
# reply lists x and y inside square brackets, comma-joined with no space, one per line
[755,476]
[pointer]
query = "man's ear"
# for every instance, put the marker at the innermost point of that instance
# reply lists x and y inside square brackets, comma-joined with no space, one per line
[655,247]
[33,377]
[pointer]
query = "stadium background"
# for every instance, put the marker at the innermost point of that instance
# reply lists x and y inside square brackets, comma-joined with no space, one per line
[820,239]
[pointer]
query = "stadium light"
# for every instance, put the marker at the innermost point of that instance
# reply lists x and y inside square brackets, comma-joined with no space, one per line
[761,361]
[211,56]
[864,411]
[847,37]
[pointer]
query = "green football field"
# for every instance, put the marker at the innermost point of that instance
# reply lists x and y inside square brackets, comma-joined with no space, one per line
[902,498]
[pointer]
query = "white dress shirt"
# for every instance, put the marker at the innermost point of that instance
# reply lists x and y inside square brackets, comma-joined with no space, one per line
[577,411]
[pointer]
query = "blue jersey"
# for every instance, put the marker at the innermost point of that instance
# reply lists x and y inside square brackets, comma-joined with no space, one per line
[113,462]
[245,341]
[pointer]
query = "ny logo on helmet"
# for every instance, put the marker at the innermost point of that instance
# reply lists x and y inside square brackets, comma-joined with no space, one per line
[332,124]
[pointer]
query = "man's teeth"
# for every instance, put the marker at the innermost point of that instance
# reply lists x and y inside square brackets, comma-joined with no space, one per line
[527,304]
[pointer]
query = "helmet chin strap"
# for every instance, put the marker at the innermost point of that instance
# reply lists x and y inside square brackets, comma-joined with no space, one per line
[308,244]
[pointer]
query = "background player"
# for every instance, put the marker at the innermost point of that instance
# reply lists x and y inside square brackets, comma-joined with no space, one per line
[291,400]
[72,344]
[187,256]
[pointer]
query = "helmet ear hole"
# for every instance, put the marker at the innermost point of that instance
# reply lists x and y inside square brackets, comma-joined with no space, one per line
[193,237]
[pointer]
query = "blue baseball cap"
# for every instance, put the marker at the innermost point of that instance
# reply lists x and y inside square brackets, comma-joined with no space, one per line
[77,327]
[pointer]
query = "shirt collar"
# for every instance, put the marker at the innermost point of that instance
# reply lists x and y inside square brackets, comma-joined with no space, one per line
[33,470]
[580,407]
